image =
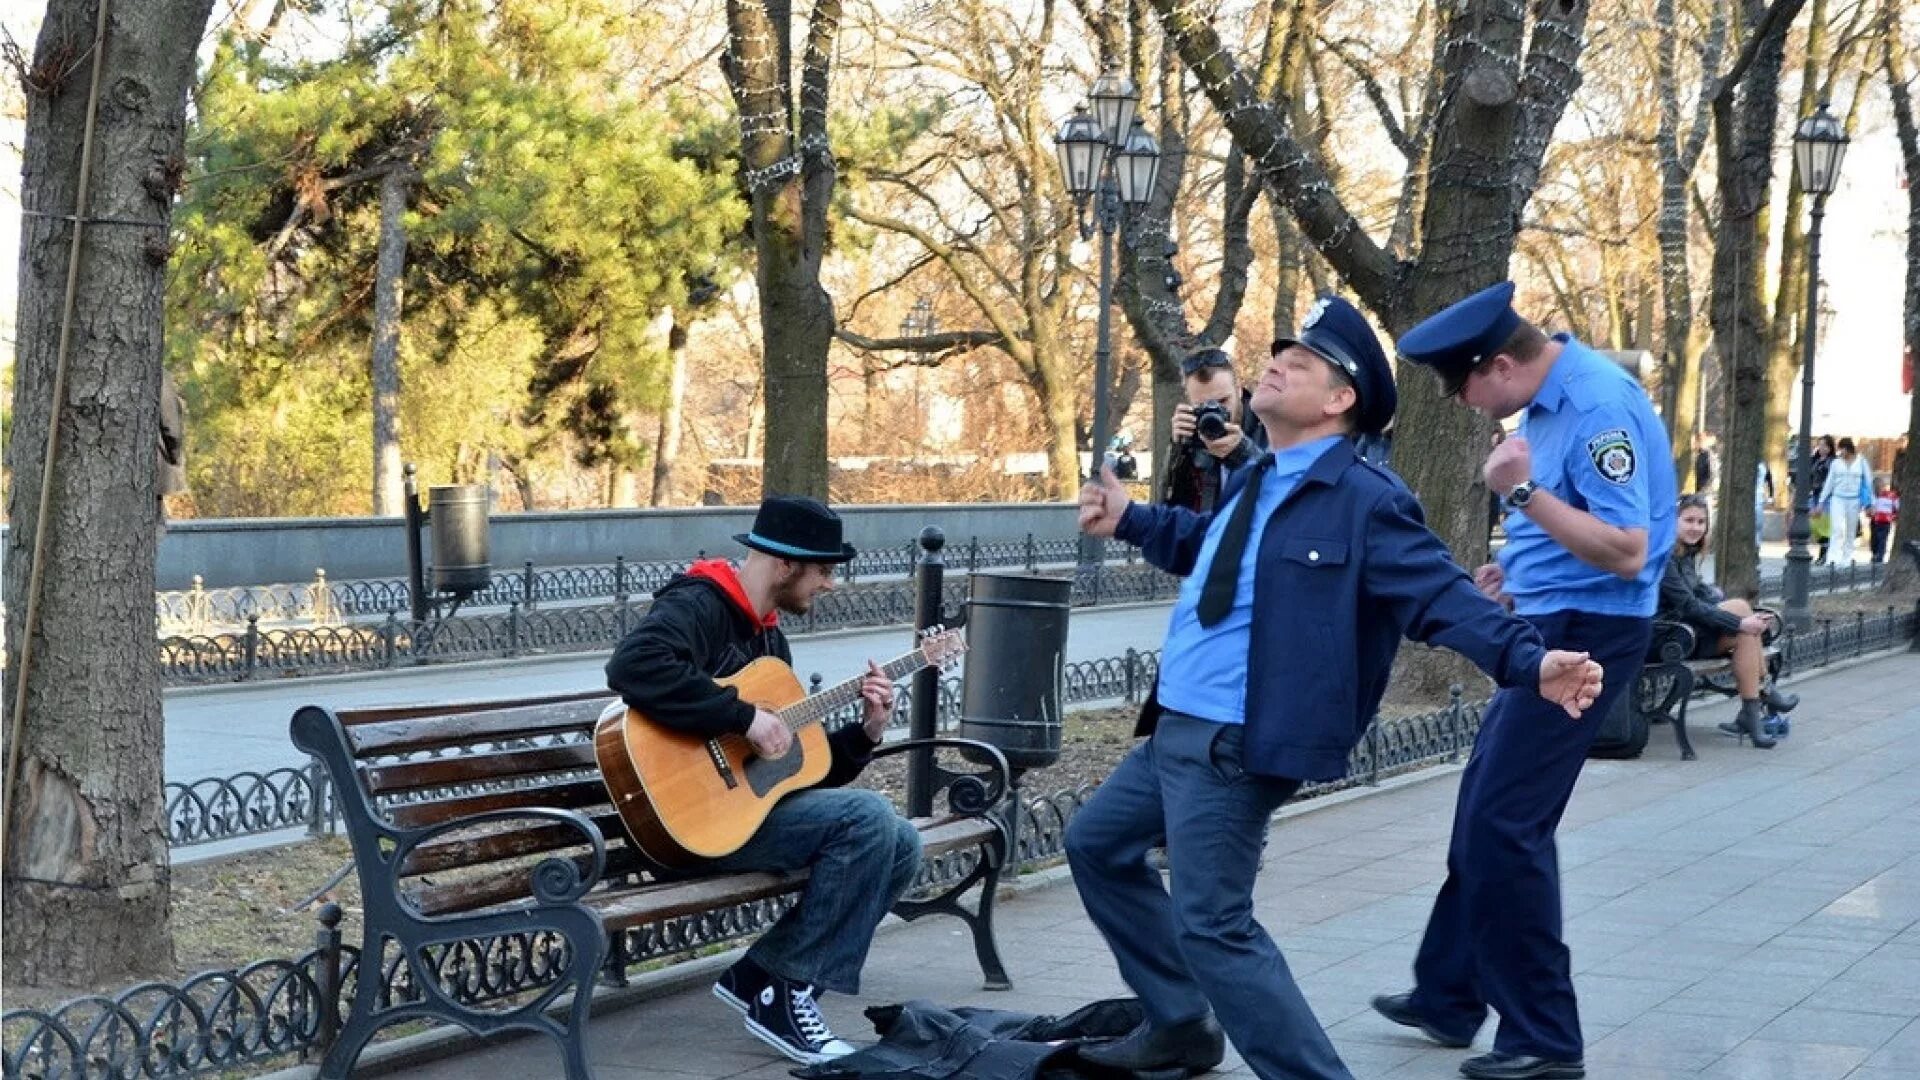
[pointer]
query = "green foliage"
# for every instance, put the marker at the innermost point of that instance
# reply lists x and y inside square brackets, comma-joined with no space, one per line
[552,221]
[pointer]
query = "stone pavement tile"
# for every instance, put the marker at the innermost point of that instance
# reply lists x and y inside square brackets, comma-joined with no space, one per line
[1609,999]
[1848,995]
[1869,1030]
[1764,1059]
[1624,1053]
[1875,1072]
[1900,1052]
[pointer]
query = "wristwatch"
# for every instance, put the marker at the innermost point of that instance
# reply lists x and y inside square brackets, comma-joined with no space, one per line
[1521,495]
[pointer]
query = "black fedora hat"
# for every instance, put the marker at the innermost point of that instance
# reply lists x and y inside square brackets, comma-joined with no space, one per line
[798,528]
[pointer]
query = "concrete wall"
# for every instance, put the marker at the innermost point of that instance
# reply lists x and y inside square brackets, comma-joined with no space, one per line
[260,551]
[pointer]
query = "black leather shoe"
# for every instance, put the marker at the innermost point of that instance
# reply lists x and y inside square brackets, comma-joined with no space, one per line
[1399,1009]
[1186,1049]
[1498,1066]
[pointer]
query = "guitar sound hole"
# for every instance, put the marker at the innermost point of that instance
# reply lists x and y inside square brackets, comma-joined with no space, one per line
[765,774]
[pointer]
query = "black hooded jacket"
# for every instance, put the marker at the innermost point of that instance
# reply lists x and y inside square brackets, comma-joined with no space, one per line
[699,628]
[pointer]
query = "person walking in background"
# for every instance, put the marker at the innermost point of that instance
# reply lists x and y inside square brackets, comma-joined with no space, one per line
[1590,491]
[1816,508]
[1847,489]
[1880,517]
[1762,495]
[1721,627]
[1703,463]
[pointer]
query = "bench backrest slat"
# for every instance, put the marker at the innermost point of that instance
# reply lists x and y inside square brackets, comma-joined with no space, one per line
[353,718]
[442,730]
[511,843]
[402,776]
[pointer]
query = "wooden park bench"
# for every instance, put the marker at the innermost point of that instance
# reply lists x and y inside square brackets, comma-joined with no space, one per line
[1672,675]
[496,876]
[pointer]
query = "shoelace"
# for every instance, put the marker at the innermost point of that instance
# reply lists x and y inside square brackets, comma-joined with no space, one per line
[806,1013]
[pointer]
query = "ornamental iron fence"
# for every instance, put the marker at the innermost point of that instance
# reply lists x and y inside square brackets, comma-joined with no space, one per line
[320,602]
[278,1008]
[521,631]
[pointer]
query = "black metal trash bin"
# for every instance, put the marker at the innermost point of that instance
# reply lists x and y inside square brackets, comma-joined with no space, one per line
[457,516]
[1016,659]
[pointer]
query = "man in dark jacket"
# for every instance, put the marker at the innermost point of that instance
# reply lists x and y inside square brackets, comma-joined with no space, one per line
[707,624]
[1198,465]
[1317,563]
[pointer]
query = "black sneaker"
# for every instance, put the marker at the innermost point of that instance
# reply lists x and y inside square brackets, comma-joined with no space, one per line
[784,1015]
[740,983]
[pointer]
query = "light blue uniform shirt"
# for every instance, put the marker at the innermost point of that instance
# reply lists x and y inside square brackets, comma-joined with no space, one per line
[1203,669]
[1597,444]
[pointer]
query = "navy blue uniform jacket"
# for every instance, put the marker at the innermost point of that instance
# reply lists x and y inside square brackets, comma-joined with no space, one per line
[1347,567]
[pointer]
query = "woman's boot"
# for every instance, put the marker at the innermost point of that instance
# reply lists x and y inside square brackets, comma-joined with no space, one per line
[1753,724]
[1779,700]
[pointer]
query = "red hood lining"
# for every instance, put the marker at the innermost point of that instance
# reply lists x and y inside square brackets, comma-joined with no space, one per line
[722,573]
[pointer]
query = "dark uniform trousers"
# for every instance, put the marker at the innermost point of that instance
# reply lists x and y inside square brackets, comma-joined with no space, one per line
[1494,936]
[1200,948]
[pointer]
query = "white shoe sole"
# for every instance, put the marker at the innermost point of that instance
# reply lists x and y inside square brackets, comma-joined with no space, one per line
[728,997]
[787,1049]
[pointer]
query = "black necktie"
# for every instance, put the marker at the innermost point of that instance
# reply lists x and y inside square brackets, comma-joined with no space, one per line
[1223,576]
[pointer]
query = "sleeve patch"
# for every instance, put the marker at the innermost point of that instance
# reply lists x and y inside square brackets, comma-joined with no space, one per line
[1612,454]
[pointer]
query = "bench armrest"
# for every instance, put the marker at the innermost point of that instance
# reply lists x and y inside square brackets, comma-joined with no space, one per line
[973,794]
[556,879]
[1672,642]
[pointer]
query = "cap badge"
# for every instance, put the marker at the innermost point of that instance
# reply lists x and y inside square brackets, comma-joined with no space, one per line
[1318,309]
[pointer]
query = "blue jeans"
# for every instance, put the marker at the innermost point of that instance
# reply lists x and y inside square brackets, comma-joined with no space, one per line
[1200,949]
[862,855]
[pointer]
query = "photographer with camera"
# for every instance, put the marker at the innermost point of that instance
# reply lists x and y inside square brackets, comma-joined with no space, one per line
[1214,432]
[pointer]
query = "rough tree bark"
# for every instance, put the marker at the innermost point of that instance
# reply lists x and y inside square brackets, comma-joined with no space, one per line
[389,285]
[86,879]
[1899,71]
[1746,106]
[788,171]
[1679,154]
[1500,99]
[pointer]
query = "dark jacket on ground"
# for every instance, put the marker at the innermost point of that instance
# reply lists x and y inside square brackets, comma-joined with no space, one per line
[1686,597]
[1194,477]
[699,628]
[1347,567]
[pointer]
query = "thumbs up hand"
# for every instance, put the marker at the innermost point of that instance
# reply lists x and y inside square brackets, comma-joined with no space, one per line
[1102,502]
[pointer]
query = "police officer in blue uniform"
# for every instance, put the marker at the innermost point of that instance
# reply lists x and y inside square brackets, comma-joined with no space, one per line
[1317,563]
[1590,496]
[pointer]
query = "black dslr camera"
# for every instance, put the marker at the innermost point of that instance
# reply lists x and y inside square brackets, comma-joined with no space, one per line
[1210,420]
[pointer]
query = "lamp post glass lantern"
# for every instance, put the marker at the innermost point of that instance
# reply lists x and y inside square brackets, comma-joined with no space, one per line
[1109,162]
[1819,145]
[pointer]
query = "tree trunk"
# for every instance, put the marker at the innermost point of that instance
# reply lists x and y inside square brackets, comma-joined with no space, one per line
[666,447]
[388,288]
[789,177]
[1744,113]
[1900,570]
[86,877]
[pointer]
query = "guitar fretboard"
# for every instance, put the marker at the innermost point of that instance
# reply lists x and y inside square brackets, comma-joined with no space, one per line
[818,707]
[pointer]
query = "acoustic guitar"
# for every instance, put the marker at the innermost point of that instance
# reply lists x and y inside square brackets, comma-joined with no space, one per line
[684,798]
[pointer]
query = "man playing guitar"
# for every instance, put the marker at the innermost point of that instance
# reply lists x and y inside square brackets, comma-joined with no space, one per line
[707,624]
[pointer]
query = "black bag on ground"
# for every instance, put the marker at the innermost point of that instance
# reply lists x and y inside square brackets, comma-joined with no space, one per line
[924,1041]
[1623,731]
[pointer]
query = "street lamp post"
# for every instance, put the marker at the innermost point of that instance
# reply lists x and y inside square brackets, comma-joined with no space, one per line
[1110,162]
[1819,144]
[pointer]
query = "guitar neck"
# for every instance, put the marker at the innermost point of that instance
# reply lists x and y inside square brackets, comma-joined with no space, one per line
[818,707]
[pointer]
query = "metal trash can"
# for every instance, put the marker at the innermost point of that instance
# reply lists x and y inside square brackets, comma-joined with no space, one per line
[457,515]
[1016,659]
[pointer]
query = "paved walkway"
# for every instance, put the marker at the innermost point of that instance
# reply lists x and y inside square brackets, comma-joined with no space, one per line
[1747,915]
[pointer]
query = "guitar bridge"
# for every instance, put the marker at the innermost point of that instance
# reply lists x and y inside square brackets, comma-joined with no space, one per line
[720,764]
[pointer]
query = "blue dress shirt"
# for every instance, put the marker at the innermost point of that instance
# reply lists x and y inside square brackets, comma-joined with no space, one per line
[1203,669]
[1597,444]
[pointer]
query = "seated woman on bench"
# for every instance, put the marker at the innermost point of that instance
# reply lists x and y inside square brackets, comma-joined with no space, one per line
[1721,627]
